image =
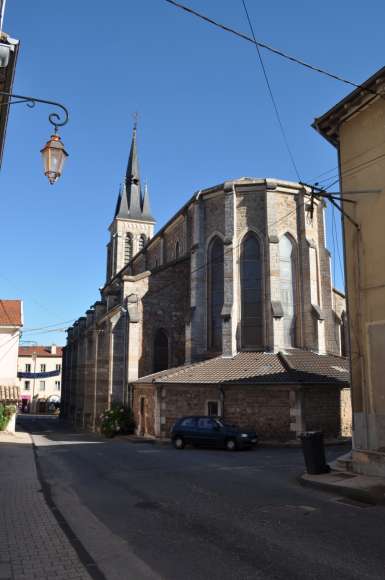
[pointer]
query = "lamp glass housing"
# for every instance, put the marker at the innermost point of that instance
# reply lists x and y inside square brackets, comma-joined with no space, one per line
[54,155]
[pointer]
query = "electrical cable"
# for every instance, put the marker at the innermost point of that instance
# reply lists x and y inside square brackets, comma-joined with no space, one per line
[272,49]
[270,91]
[49,325]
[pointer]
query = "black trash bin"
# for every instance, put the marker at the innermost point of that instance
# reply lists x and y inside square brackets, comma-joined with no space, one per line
[314,452]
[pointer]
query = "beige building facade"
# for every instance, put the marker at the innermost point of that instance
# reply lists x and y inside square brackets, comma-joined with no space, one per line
[39,377]
[239,268]
[356,127]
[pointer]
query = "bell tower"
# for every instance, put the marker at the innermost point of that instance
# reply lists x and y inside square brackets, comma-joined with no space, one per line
[133,224]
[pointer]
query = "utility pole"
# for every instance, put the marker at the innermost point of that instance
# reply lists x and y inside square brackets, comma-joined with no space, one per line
[34,356]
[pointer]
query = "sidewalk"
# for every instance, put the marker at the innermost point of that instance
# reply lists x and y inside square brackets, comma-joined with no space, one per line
[351,485]
[33,545]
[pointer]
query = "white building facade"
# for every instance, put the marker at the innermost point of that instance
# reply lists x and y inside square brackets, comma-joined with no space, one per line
[11,321]
[39,376]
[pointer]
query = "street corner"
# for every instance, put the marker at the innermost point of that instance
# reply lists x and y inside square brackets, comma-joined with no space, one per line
[370,490]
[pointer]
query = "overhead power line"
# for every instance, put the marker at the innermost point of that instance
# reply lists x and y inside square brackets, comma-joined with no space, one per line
[48,326]
[272,49]
[270,91]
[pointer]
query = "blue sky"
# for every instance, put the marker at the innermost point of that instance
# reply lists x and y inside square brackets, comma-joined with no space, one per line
[205,116]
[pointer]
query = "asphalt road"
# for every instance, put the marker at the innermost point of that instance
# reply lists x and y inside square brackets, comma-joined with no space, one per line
[149,511]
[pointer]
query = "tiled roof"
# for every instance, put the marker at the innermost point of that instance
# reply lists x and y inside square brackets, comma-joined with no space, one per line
[312,367]
[292,367]
[9,394]
[10,313]
[40,351]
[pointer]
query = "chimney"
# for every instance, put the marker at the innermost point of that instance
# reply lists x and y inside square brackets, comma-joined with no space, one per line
[53,348]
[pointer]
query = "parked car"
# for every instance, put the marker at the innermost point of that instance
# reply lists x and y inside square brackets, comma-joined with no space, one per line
[211,432]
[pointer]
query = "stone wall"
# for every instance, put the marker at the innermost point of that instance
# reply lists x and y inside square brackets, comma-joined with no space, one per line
[166,306]
[172,236]
[265,409]
[321,410]
[346,412]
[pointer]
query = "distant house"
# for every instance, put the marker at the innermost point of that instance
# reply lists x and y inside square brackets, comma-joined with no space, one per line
[39,375]
[11,321]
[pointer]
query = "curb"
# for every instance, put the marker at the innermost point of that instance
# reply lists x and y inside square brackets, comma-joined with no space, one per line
[371,497]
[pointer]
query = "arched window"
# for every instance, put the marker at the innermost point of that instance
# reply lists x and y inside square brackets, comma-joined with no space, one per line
[215,294]
[160,350]
[287,287]
[177,250]
[128,248]
[252,334]
[142,241]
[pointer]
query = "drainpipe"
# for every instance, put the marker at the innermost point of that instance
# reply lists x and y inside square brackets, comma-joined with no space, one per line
[222,400]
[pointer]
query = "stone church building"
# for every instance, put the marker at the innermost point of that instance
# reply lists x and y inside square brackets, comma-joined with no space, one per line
[227,310]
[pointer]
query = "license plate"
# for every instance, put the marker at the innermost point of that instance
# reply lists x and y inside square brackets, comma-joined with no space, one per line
[253,440]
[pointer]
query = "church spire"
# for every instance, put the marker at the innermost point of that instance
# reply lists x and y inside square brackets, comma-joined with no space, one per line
[131,203]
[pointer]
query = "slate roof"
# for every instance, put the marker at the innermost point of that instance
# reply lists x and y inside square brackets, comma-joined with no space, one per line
[292,367]
[41,351]
[10,313]
[132,204]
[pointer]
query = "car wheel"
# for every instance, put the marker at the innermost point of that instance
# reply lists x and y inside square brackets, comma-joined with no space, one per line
[231,445]
[178,443]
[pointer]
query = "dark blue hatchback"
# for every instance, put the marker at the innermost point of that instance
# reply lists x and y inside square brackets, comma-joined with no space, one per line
[211,432]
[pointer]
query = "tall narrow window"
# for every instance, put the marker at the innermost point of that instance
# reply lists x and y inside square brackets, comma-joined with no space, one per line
[177,250]
[128,248]
[142,242]
[160,351]
[251,293]
[287,286]
[215,294]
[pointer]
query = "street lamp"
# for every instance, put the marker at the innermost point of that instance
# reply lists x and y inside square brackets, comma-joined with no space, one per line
[54,155]
[53,152]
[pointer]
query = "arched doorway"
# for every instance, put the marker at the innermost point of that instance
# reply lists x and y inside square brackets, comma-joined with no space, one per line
[160,350]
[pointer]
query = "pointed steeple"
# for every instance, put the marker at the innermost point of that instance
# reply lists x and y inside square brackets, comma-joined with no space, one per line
[130,200]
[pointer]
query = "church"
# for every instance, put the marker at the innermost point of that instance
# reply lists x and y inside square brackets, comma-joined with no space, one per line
[228,310]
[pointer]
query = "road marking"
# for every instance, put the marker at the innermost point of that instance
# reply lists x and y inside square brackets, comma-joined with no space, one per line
[148,450]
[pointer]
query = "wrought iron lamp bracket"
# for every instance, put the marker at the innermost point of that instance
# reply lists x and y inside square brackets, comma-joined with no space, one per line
[57,120]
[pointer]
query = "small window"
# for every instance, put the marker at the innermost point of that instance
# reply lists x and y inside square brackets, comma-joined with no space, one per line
[42,386]
[189,422]
[27,385]
[213,408]
[128,248]
[42,368]
[177,250]
[142,242]
[58,367]
[57,385]
[28,368]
